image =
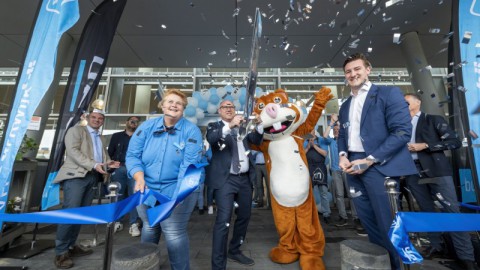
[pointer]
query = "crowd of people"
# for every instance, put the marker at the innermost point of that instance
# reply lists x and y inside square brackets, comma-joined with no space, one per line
[379,132]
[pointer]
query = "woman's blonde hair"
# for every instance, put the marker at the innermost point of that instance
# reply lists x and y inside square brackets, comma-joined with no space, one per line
[174,91]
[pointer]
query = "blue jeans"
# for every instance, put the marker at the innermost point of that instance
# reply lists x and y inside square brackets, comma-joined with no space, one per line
[77,192]
[200,202]
[174,229]
[321,199]
[126,189]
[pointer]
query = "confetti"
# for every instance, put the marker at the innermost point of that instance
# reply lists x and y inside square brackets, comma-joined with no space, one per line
[434,30]
[225,35]
[396,38]
[212,53]
[235,12]
[466,37]
[473,134]
[164,26]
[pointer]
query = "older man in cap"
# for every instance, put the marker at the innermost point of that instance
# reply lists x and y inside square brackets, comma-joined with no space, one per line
[85,164]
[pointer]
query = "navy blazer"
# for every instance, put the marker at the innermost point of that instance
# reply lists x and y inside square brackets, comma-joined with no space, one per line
[385,130]
[219,168]
[434,131]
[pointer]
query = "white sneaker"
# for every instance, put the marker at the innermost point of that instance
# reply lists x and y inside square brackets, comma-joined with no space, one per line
[117,227]
[210,210]
[134,231]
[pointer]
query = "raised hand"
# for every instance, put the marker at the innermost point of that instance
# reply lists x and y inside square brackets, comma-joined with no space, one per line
[323,96]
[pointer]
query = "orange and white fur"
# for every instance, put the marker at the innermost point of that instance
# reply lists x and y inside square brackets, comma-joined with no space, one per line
[293,204]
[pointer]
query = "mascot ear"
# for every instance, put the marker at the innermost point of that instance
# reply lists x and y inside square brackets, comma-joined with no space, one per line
[280,92]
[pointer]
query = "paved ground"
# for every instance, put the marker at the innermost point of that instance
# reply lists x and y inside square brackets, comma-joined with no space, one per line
[261,238]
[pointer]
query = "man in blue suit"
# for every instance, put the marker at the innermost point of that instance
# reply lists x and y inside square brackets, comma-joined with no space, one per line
[374,129]
[231,173]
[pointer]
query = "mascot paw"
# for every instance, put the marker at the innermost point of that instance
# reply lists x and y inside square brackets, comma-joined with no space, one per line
[311,263]
[278,255]
[323,96]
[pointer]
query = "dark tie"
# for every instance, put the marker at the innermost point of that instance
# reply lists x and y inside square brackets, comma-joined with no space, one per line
[235,159]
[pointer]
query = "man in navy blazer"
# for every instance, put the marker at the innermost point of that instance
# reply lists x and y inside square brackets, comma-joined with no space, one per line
[374,130]
[431,136]
[232,181]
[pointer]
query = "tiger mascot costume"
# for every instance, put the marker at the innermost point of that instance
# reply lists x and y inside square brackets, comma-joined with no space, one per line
[293,204]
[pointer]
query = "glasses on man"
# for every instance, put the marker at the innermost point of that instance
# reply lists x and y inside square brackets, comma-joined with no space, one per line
[227,107]
[134,122]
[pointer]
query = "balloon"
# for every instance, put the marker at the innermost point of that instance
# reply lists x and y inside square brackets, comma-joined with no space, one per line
[237,104]
[229,97]
[205,94]
[229,88]
[242,99]
[221,92]
[197,95]
[202,104]
[189,111]
[192,119]
[214,99]
[236,92]
[259,92]
[212,108]
[192,101]
[199,114]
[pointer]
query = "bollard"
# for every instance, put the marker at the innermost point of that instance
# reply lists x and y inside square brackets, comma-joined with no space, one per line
[392,189]
[138,256]
[107,255]
[358,254]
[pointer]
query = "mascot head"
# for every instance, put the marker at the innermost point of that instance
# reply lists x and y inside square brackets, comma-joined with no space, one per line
[279,117]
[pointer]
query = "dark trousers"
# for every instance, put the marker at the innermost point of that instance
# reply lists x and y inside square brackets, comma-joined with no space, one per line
[239,189]
[261,173]
[423,195]
[372,205]
[77,192]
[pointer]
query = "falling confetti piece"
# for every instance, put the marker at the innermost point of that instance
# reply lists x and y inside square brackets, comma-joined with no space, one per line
[225,35]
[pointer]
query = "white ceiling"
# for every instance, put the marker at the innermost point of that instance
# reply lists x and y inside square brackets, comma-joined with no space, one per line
[194,30]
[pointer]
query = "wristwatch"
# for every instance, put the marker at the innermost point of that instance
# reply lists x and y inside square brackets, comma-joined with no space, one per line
[372,159]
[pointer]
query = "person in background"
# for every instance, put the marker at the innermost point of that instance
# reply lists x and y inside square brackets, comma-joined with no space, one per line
[340,179]
[316,155]
[375,128]
[201,187]
[431,136]
[261,178]
[158,156]
[231,173]
[85,165]
[117,149]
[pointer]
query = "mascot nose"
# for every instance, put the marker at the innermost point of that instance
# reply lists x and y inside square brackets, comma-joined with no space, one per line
[272,110]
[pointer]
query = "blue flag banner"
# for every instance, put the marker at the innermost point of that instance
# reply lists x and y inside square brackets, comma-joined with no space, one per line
[406,222]
[85,73]
[468,25]
[111,212]
[54,18]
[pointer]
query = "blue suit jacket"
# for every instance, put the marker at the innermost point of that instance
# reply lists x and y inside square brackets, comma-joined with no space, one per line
[385,130]
[219,168]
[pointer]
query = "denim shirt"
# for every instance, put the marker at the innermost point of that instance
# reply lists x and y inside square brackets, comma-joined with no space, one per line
[163,157]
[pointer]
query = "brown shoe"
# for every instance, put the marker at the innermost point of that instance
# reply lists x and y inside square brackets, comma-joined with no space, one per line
[63,261]
[78,251]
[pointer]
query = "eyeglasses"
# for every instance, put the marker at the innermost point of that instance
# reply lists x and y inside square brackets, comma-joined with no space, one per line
[134,122]
[227,107]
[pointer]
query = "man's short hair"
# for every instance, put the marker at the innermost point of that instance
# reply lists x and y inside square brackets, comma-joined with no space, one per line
[133,116]
[415,95]
[357,56]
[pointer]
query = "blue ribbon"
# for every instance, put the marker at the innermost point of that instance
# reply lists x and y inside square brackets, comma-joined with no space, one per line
[106,213]
[190,183]
[406,222]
